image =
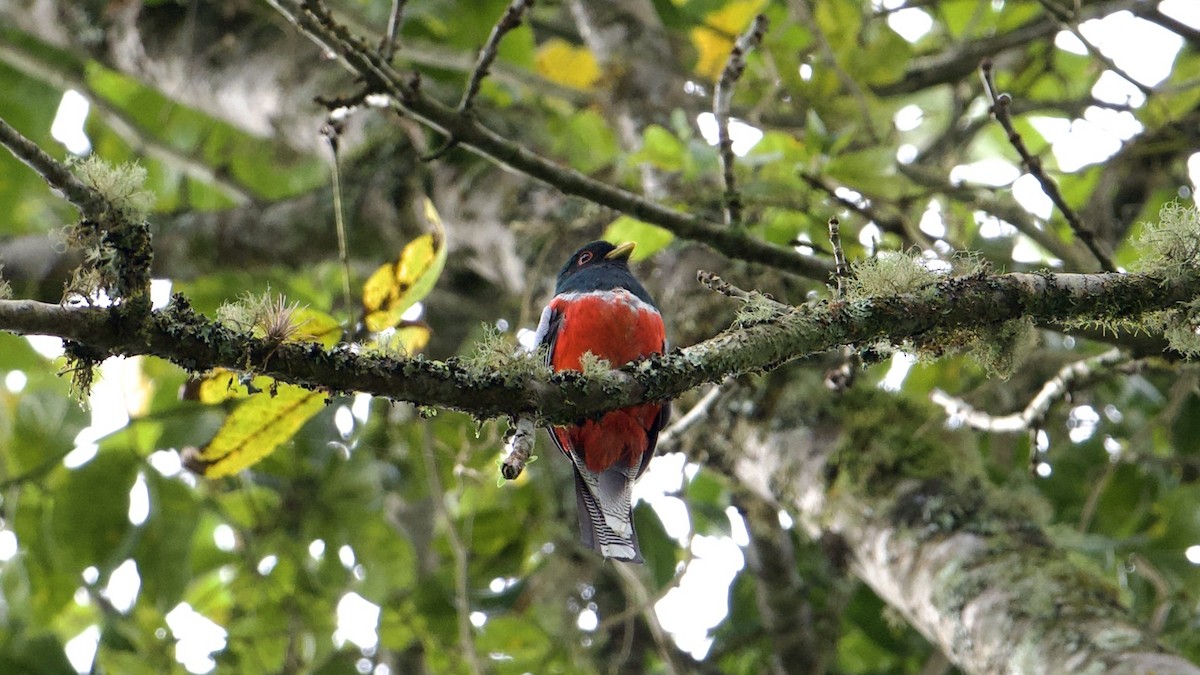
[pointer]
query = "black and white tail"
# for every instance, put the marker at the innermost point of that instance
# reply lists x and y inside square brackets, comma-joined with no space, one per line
[606,510]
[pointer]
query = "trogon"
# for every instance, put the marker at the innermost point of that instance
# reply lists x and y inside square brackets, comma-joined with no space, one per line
[599,307]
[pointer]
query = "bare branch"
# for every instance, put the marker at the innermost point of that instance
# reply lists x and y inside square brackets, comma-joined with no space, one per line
[391,38]
[91,204]
[462,555]
[841,267]
[698,412]
[1000,110]
[330,132]
[315,21]
[722,100]
[718,285]
[1037,408]
[639,594]
[1069,19]
[865,208]
[509,21]
[956,63]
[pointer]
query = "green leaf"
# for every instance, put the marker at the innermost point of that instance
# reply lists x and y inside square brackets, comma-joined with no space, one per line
[38,655]
[90,516]
[44,425]
[585,139]
[164,551]
[661,149]
[520,640]
[660,551]
[257,427]
[650,239]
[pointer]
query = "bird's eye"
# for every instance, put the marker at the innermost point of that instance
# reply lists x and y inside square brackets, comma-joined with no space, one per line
[585,257]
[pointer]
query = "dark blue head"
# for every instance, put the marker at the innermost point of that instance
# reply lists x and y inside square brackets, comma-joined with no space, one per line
[600,266]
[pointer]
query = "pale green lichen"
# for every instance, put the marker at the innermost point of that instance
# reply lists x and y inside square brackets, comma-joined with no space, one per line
[758,308]
[494,353]
[1170,248]
[1000,349]
[594,366]
[121,185]
[889,273]
[1183,329]
[5,287]
[969,263]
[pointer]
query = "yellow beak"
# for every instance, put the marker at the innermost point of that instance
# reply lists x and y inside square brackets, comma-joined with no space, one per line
[621,252]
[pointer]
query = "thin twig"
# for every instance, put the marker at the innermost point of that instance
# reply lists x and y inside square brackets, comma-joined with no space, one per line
[722,100]
[331,132]
[999,206]
[633,609]
[1162,591]
[1069,21]
[1093,500]
[91,204]
[671,434]
[718,285]
[841,269]
[509,21]
[1038,406]
[1000,110]
[462,597]
[483,63]
[1153,14]
[1109,64]
[391,39]
[636,587]
[865,208]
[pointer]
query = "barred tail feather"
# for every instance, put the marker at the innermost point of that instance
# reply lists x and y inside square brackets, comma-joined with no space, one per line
[609,530]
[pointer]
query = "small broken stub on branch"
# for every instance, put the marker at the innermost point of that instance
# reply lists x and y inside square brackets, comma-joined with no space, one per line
[519,445]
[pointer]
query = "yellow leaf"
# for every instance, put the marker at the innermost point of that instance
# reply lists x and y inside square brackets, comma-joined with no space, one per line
[562,62]
[714,40]
[220,385]
[410,339]
[313,325]
[398,285]
[257,427]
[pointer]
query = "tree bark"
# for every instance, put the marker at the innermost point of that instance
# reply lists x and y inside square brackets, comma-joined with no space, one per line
[968,568]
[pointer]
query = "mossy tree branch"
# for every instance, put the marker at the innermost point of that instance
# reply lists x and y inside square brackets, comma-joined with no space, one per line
[518,386]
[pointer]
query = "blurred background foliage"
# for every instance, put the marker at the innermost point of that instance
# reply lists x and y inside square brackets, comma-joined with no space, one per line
[377,539]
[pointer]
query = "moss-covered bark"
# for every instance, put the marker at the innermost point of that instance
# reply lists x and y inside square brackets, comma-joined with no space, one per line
[973,570]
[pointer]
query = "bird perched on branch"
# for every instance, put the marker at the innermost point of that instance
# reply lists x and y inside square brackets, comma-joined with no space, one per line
[599,307]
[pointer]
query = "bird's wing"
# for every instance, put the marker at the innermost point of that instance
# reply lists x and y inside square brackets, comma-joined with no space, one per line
[660,421]
[547,331]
